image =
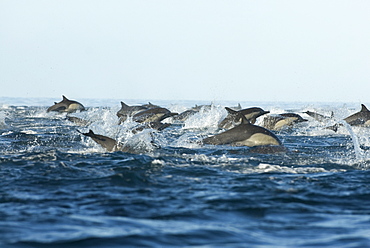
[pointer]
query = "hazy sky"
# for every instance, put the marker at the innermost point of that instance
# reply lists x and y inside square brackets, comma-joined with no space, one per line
[189,50]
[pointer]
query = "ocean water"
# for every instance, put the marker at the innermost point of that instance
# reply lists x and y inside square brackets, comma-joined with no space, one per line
[60,189]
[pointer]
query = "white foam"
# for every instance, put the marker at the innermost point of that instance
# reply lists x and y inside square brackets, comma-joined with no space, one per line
[270,168]
[29,132]
[206,118]
[3,124]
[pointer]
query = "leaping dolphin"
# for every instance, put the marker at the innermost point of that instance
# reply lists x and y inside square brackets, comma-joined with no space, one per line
[361,118]
[234,117]
[159,126]
[78,121]
[108,143]
[245,134]
[153,115]
[144,113]
[190,112]
[111,145]
[319,117]
[66,106]
[127,110]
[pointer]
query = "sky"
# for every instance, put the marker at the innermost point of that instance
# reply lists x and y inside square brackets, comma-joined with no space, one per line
[240,50]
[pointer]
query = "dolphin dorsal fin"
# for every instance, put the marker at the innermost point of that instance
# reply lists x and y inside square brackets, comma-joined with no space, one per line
[64,98]
[124,105]
[363,108]
[231,111]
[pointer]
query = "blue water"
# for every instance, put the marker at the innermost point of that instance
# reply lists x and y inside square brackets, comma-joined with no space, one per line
[59,189]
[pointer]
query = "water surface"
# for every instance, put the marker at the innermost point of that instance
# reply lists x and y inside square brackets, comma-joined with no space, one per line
[60,189]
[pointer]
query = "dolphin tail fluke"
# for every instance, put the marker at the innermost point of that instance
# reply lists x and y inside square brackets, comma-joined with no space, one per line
[89,134]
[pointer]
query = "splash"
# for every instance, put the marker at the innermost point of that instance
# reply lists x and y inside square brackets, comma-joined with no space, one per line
[3,124]
[360,156]
[205,118]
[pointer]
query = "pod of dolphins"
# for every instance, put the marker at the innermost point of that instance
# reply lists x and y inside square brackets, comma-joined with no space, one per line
[238,127]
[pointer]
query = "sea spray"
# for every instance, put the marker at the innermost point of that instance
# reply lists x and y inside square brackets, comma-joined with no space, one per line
[206,118]
[356,144]
[3,124]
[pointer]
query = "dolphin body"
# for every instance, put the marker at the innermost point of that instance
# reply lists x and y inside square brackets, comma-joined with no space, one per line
[190,112]
[361,118]
[234,117]
[237,108]
[108,143]
[319,117]
[111,145]
[159,126]
[66,106]
[278,122]
[245,134]
[183,116]
[144,113]
[78,121]
[153,115]
[127,110]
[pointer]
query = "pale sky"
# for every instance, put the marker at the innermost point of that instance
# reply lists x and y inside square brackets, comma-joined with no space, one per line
[240,50]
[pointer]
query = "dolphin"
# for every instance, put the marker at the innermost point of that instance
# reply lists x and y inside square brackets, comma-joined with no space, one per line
[244,134]
[183,116]
[78,121]
[150,105]
[111,145]
[205,106]
[159,126]
[237,108]
[66,106]
[234,117]
[190,112]
[319,117]
[361,118]
[108,143]
[278,122]
[157,114]
[127,110]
